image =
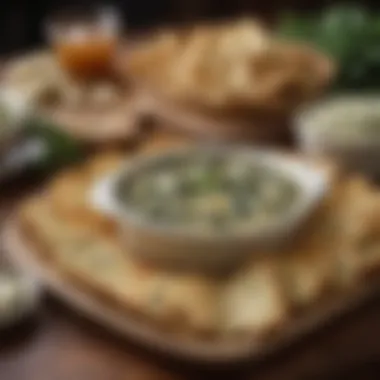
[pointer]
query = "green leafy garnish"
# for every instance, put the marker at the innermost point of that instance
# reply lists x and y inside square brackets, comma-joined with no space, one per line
[348,34]
[59,148]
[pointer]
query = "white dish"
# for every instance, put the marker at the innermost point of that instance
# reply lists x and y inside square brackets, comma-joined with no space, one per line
[319,135]
[167,246]
[19,297]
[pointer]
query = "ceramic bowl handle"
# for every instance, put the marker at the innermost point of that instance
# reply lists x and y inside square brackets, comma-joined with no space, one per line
[101,197]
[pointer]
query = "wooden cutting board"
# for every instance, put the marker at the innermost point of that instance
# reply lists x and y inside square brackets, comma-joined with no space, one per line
[22,254]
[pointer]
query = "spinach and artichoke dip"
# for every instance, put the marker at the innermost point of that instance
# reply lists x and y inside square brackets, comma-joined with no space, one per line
[212,194]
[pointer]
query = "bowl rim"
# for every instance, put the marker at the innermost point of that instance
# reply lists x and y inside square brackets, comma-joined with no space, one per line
[312,188]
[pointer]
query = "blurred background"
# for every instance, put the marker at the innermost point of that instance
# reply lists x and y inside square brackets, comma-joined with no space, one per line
[21,20]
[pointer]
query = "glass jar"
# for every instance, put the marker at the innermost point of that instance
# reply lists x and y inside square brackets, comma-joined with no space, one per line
[85,40]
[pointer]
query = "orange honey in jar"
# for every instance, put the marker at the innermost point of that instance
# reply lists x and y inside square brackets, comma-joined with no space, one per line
[89,58]
[85,45]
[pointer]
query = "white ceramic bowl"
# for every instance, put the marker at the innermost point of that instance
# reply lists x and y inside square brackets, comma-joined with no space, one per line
[14,308]
[184,248]
[314,136]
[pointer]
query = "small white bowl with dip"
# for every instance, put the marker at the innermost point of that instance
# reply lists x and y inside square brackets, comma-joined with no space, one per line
[209,208]
[19,297]
[345,127]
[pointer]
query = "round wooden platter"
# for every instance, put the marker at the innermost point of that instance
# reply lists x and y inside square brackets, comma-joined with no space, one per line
[21,253]
[116,123]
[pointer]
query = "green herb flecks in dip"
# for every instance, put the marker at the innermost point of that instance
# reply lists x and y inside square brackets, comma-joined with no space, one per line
[209,193]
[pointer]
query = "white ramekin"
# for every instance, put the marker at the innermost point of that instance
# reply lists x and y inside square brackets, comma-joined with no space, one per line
[360,155]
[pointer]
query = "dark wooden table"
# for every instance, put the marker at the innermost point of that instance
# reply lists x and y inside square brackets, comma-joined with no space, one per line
[61,345]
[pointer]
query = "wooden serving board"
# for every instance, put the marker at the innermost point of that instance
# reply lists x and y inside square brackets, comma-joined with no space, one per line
[22,254]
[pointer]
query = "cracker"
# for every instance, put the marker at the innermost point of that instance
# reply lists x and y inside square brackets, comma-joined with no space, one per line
[253,300]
